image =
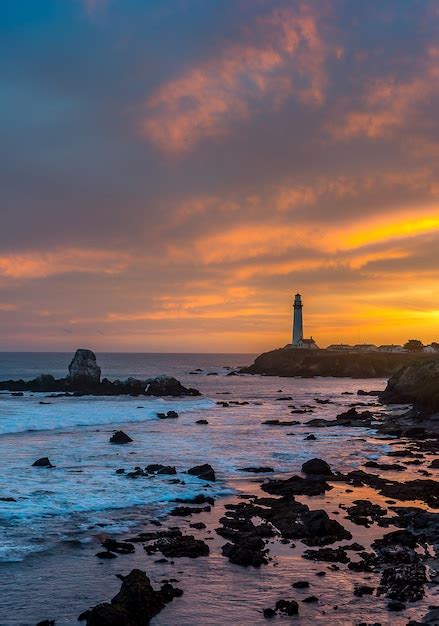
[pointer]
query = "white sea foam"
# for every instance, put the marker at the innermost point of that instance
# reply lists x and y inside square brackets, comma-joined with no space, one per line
[19,415]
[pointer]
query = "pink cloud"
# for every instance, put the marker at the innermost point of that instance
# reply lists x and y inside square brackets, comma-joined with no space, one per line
[389,103]
[283,55]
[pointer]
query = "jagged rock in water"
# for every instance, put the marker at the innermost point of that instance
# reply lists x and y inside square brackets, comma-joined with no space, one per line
[135,604]
[316,466]
[167,386]
[83,370]
[206,472]
[120,437]
[43,462]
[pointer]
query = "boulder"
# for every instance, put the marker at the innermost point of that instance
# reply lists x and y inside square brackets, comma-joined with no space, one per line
[417,383]
[167,386]
[43,462]
[316,466]
[168,415]
[135,604]
[120,437]
[206,472]
[83,369]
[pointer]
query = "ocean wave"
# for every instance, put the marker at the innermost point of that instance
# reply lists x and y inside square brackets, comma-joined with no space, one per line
[26,414]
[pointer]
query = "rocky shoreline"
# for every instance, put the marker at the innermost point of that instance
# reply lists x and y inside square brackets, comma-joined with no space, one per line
[378,524]
[84,378]
[310,363]
[398,567]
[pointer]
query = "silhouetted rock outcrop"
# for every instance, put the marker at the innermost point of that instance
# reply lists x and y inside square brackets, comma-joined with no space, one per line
[84,378]
[308,363]
[43,462]
[418,384]
[135,604]
[83,369]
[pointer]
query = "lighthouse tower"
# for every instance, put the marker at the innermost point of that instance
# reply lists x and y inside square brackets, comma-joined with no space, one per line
[297,320]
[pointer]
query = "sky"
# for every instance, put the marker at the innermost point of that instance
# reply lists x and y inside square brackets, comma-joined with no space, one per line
[174,171]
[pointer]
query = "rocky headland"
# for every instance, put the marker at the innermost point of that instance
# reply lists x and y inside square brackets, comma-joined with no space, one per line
[417,384]
[308,363]
[84,378]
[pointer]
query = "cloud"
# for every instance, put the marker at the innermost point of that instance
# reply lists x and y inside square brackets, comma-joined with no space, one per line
[281,55]
[389,103]
[41,264]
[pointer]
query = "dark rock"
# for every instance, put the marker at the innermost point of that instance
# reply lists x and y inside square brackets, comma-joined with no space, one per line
[135,604]
[316,466]
[269,613]
[200,498]
[310,599]
[121,547]
[296,485]
[120,437]
[247,553]
[204,422]
[43,462]
[310,437]
[83,369]
[434,464]
[47,622]
[198,525]
[287,607]
[385,466]
[167,386]
[362,590]
[168,415]
[184,511]
[106,555]
[206,472]
[403,582]
[120,471]
[331,555]
[182,546]
[416,383]
[301,584]
[158,468]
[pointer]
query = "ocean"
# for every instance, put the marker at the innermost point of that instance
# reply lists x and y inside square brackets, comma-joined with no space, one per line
[57,516]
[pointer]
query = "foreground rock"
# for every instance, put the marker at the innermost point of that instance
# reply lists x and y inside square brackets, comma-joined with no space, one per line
[43,462]
[306,363]
[135,604]
[84,378]
[316,467]
[120,437]
[205,472]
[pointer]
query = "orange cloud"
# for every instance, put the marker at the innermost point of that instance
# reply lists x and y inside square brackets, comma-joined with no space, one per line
[390,103]
[285,56]
[42,264]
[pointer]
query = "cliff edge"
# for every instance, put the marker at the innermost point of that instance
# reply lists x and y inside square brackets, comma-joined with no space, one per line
[417,384]
[309,363]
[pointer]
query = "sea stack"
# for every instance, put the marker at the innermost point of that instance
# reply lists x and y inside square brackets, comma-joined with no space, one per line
[83,370]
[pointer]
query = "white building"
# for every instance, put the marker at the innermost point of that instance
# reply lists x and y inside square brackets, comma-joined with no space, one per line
[430,349]
[307,344]
[391,348]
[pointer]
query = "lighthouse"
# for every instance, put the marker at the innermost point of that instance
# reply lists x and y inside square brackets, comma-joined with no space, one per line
[297,320]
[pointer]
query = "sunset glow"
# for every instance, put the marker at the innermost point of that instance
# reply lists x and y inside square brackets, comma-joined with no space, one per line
[174,189]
